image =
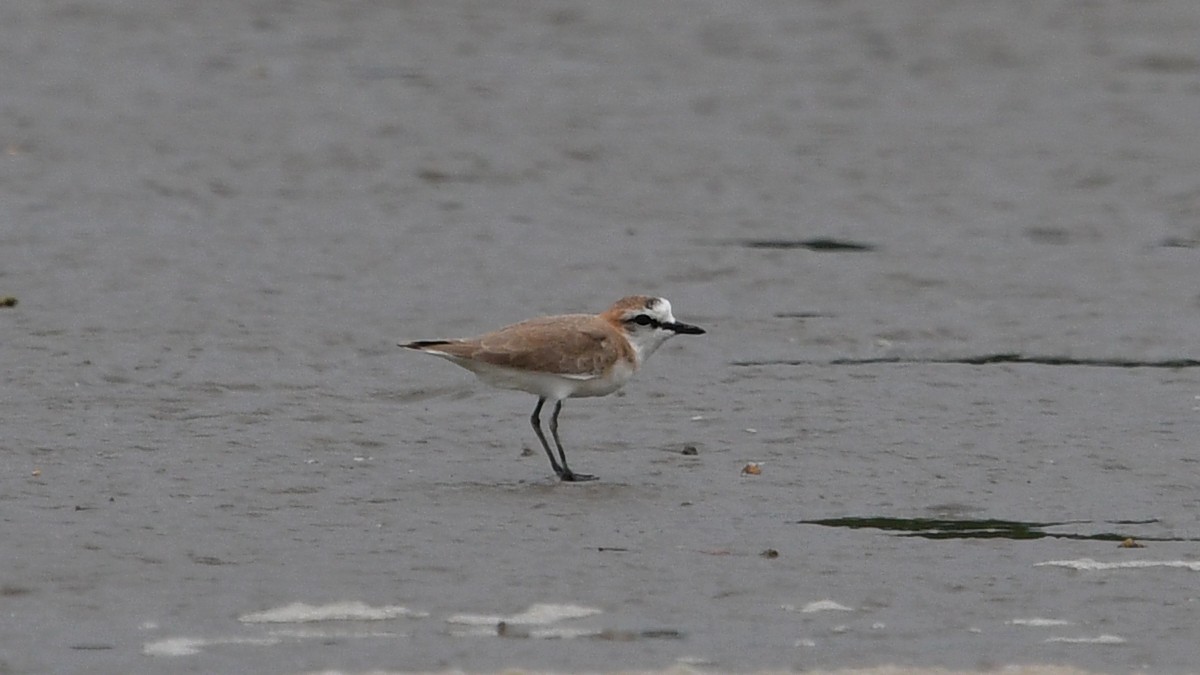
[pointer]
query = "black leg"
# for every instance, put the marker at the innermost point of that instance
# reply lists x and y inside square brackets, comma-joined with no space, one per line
[566,474]
[536,421]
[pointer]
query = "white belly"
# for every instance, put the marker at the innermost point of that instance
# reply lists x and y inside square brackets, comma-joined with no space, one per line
[550,385]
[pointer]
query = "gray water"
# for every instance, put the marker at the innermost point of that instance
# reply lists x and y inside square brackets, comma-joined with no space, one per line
[218,219]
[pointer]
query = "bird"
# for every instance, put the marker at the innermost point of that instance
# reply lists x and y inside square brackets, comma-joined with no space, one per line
[565,356]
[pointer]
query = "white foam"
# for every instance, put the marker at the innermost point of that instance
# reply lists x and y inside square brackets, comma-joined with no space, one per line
[1090,565]
[326,633]
[539,614]
[804,642]
[819,606]
[185,646]
[298,612]
[174,647]
[1036,621]
[188,646]
[1098,640]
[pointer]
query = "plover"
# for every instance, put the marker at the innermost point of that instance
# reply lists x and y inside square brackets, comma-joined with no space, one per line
[566,356]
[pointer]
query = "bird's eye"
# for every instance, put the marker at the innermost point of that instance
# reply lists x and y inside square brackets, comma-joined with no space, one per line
[643,320]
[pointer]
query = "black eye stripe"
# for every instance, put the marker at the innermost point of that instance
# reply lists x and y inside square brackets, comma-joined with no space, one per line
[644,320]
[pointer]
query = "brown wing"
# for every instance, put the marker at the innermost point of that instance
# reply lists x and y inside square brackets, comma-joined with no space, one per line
[577,345]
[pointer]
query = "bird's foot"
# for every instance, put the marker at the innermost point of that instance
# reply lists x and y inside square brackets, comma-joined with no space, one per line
[569,476]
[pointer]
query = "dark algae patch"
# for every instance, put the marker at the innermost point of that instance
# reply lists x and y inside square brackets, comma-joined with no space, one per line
[936,528]
[818,244]
[993,359]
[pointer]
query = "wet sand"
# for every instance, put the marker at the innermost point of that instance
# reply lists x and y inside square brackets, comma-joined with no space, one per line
[220,218]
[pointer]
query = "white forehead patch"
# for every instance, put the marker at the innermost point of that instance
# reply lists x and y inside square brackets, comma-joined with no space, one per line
[662,307]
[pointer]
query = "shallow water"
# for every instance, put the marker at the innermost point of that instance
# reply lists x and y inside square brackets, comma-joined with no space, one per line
[946,254]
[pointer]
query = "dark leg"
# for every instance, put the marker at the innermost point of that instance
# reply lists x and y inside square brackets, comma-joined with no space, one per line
[567,474]
[536,421]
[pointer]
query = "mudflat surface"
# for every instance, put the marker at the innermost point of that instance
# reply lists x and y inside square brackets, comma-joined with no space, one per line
[219,218]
